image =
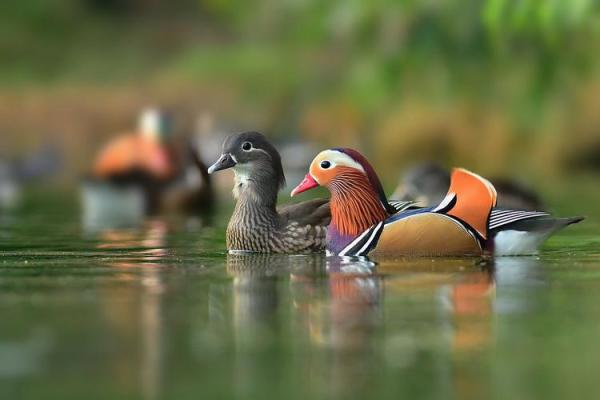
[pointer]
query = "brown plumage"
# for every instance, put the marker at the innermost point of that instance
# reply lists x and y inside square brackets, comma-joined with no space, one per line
[256,224]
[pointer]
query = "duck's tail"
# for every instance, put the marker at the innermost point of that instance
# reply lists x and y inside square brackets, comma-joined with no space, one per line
[470,199]
[524,237]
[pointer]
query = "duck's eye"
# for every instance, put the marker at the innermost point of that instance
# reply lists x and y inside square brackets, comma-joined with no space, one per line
[246,146]
[325,164]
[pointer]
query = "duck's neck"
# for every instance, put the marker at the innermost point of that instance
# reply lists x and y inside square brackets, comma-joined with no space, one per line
[355,206]
[255,190]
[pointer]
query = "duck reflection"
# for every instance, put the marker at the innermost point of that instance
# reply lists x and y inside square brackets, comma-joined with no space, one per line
[258,315]
[471,307]
[134,310]
[255,296]
[338,307]
[354,313]
[355,300]
[471,310]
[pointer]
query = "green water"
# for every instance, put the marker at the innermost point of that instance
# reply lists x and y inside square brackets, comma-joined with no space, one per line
[162,312]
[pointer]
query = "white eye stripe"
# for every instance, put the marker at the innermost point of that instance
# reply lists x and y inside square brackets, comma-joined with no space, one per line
[338,158]
[261,150]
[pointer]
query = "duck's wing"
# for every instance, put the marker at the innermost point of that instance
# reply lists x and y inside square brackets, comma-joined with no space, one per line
[404,205]
[470,200]
[502,217]
[314,212]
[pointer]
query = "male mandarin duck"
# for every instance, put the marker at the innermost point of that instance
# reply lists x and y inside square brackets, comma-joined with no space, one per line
[257,225]
[144,151]
[428,184]
[165,175]
[363,222]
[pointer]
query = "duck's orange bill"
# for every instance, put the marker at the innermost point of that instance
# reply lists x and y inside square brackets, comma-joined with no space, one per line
[307,183]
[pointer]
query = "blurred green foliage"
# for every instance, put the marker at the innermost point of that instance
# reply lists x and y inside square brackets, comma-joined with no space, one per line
[380,41]
[400,70]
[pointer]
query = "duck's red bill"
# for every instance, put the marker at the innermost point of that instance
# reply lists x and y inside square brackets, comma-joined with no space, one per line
[307,183]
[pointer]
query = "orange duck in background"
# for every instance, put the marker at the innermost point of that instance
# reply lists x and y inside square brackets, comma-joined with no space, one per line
[145,172]
[145,152]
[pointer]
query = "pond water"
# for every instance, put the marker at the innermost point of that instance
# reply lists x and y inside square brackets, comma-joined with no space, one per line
[163,312]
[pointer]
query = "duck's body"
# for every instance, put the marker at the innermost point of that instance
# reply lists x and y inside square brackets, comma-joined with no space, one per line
[256,228]
[464,223]
[257,225]
[134,152]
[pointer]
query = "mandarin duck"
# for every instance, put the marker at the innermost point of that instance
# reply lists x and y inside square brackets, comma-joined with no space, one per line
[142,159]
[169,175]
[428,184]
[256,224]
[363,222]
[142,152]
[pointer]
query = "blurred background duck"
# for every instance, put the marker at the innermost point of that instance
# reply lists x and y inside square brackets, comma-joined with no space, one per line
[465,222]
[257,225]
[145,172]
[34,167]
[428,183]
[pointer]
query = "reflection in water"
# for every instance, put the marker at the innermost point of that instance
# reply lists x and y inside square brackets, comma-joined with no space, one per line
[25,356]
[513,272]
[446,323]
[255,297]
[145,251]
[355,301]
[340,317]
[161,312]
[471,303]
[151,325]
[256,313]
[341,314]
[472,306]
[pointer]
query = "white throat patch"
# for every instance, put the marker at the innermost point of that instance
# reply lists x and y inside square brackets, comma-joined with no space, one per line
[242,177]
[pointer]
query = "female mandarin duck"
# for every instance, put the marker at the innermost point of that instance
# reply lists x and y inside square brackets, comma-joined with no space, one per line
[256,224]
[364,223]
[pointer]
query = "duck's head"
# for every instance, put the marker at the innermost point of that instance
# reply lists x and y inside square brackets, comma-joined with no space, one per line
[341,169]
[154,124]
[253,158]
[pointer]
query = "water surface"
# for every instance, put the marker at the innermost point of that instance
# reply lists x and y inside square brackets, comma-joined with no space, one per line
[160,311]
